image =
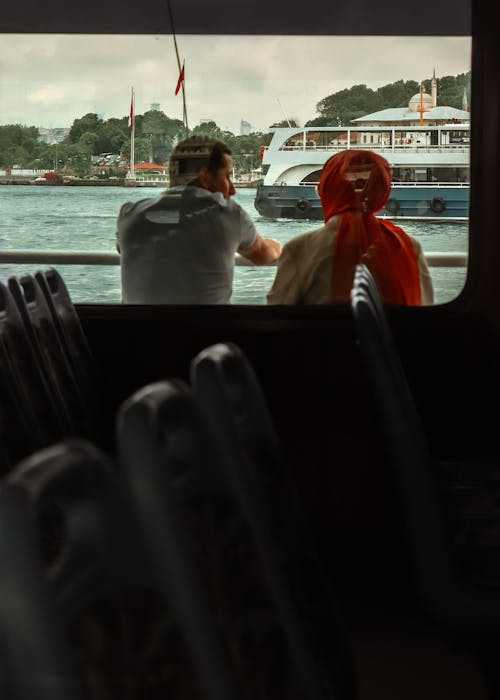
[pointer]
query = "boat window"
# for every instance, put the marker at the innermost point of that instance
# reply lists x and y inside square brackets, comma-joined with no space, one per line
[87,125]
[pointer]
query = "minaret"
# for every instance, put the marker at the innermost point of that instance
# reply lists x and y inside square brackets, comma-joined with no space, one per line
[434,88]
[465,102]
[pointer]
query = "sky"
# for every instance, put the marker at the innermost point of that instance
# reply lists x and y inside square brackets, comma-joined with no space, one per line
[50,80]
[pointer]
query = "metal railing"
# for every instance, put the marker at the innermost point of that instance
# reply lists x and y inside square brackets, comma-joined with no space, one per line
[78,257]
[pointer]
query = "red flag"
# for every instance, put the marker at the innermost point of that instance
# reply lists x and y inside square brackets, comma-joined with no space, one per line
[181,78]
[131,115]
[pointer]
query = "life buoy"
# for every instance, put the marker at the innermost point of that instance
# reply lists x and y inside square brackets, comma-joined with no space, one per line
[303,205]
[262,151]
[438,204]
[392,206]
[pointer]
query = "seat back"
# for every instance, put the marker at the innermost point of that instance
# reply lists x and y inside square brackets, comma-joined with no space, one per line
[35,658]
[223,378]
[418,479]
[175,477]
[268,654]
[71,333]
[28,415]
[233,402]
[48,349]
[123,634]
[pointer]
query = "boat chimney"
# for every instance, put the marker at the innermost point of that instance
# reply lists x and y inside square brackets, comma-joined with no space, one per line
[434,88]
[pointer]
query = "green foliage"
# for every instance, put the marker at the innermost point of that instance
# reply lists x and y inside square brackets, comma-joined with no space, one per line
[156,134]
[285,123]
[340,108]
[18,144]
[451,89]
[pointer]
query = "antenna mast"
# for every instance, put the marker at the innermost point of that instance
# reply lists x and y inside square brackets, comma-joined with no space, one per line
[286,118]
[132,134]
[184,109]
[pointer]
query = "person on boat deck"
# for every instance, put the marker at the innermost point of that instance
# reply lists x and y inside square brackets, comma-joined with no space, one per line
[179,247]
[318,266]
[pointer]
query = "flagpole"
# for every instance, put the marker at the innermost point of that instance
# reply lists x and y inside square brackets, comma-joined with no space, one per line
[184,109]
[132,134]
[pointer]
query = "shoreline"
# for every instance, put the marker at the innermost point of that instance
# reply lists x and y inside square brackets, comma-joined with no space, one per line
[97,182]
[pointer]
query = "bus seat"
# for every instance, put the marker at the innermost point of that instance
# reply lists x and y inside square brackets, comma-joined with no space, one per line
[35,658]
[269,652]
[174,478]
[71,333]
[28,417]
[450,509]
[44,339]
[234,404]
[123,633]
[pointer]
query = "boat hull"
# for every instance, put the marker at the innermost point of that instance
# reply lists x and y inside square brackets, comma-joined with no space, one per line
[446,202]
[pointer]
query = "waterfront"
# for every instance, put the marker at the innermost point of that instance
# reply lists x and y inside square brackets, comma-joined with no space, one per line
[83,219]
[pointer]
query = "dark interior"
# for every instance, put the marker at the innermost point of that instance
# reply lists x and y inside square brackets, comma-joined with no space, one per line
[307,359]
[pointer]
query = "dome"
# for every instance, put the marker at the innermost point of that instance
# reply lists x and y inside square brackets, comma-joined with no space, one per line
[414,103]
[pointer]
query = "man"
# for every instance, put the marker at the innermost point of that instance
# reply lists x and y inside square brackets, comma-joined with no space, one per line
[179,247]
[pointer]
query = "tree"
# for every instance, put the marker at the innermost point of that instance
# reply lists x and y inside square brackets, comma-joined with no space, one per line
[397,94]
[285,123]
[17,144]
[156,133]
[89,122]
[162,132]
[211,130]
[344,106]
[450,89]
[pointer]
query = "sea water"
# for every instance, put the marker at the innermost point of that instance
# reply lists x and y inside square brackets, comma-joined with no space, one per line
[84,219]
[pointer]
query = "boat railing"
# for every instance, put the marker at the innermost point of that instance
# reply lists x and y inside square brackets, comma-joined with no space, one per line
[381,148]
[90,258]
[394,183]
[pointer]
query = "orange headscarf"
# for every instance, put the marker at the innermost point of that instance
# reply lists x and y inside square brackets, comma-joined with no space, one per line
[356,184]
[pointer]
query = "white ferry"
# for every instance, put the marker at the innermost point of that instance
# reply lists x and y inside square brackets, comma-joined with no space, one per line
[427,147]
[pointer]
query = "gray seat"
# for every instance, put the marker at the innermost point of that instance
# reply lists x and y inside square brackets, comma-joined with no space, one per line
[234,405]
[35,662]
[29,416]
[45,339]
[124,637]
[174,477]
[450,508]
[174,459]
[71,334]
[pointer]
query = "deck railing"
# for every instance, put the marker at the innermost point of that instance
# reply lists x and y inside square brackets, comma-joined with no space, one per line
[80,257]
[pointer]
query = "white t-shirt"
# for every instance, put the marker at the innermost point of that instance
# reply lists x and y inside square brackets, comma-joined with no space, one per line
[179,247]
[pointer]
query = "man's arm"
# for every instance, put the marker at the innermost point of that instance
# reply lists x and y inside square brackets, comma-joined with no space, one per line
[262,251]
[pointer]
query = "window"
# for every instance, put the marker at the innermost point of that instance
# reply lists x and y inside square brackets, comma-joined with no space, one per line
[67,123]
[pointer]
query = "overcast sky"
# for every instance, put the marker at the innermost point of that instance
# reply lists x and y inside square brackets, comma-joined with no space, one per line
[48,81]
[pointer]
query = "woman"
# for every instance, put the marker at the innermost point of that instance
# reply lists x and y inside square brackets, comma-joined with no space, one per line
[318,266]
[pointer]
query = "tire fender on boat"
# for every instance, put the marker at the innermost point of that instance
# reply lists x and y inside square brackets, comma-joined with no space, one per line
[392,205]
[437,204]
[303,205]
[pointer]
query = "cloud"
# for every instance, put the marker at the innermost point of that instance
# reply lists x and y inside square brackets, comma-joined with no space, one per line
[47,95]
[54,79]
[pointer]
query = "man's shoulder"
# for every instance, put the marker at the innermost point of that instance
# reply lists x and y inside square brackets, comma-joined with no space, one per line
[168,199]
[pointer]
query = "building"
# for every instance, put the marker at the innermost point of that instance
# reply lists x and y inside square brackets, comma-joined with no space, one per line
[422,109]
[245,128]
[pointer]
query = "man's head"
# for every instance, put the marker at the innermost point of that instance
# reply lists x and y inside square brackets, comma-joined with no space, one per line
[204,162]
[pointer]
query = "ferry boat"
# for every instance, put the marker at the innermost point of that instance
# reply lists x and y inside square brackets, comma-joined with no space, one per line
[427,147]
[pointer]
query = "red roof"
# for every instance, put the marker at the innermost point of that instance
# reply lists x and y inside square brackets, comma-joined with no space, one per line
[150,166]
